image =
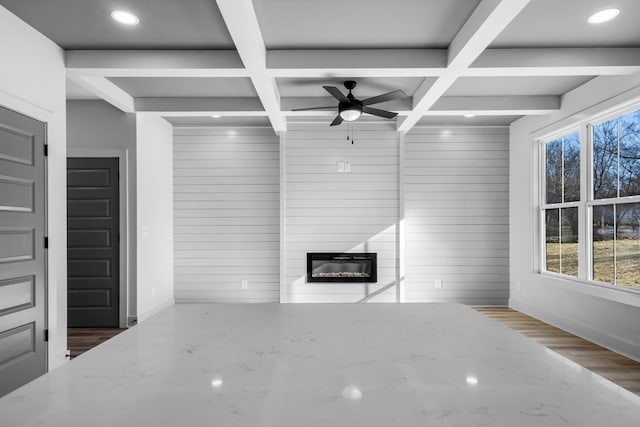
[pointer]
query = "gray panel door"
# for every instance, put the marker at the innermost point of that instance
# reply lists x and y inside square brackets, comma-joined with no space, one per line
[22,253]
[93,269]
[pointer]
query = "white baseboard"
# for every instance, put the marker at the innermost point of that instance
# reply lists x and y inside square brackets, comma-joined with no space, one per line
[155,310]
[602,338]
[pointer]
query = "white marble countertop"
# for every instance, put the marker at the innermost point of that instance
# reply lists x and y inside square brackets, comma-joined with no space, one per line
[320,365]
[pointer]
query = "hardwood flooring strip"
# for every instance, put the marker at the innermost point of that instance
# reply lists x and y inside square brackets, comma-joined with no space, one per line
[615,367]
[80,340]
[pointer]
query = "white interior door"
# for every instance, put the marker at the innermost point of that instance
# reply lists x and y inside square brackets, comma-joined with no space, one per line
[22,250]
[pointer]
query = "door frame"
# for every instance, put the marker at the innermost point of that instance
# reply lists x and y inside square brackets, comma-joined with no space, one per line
[124,226]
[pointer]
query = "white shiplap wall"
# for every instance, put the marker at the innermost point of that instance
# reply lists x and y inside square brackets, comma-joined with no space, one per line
[227,215]
[457,214]
[327,211]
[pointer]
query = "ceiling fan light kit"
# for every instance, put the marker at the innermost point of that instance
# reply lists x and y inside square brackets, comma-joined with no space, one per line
[350,108]
[350,112]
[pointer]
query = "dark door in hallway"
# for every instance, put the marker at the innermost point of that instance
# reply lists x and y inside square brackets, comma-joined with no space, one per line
[93,259]
[22,250]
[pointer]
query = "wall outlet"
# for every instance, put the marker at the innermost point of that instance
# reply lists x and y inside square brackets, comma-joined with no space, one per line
[438,283]
[518,285]
[154,292]
[244,284]
[344,167]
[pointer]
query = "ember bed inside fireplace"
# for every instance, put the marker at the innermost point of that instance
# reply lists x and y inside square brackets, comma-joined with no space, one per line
[342,267]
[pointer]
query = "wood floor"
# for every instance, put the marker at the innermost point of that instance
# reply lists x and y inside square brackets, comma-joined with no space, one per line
[616,368]
[80,340]
[619,369]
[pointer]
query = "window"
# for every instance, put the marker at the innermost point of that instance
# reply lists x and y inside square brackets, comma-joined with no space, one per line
[615,205]
[560,208]
[609,214]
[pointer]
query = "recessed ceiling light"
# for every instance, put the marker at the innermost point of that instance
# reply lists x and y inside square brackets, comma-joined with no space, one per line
[124,17]
[352,392]
[603,16]
[469,115]
[216,116]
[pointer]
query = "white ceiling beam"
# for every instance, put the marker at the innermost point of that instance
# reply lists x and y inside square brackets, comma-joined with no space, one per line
[495,105]
[446,106]
[103,88]
[556,62]
[328,113]
[224,106]
[357,62]
[242,23]
[290,103]
[155,63]
[485,23]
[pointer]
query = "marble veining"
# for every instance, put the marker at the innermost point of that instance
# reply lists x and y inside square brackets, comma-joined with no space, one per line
[320,365]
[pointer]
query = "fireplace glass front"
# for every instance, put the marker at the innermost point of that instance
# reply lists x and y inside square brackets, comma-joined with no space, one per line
[342,267]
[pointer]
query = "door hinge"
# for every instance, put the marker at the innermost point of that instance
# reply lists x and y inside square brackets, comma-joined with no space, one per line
[46,335]
[46,243]
[46,150]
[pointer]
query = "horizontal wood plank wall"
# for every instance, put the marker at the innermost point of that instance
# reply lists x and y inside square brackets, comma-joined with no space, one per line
[227,214]
[327,211]
[457,214]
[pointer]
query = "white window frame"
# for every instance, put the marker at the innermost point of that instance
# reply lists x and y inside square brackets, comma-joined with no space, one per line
[543,206]
[587,201]
[591,201]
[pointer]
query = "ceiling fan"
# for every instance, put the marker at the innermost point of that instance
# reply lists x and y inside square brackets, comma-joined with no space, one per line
[350,108]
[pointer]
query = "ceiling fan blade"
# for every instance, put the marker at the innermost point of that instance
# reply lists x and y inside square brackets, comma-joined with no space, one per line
[336,93]
[336,121]
[333,107]
[396,94]
[380,113]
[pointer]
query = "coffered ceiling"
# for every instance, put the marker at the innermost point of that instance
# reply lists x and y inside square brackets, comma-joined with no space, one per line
[252,62]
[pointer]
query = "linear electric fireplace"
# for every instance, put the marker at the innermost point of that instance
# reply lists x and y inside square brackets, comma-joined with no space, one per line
[342,267]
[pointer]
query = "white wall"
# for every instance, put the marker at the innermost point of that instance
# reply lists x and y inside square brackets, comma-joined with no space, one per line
[32,82]
[603,314]
[228,196]
[457,214]
[227,214]
[154,225]
[98,129]
[327,211]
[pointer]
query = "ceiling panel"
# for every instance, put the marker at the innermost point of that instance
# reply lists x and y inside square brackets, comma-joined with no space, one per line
[220,122]
[504,86]
[164,24]
[553,23]
[357,24]
[182,87]
[467,121]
